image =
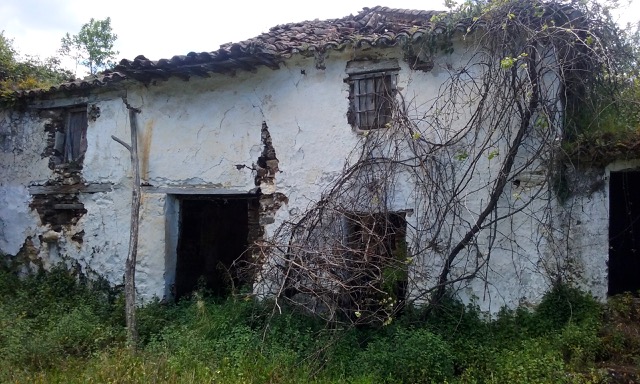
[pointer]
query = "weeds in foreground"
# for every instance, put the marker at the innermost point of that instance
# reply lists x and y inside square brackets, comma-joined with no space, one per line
[57,328]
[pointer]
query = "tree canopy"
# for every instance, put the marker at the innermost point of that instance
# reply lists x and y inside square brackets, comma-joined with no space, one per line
[92,47]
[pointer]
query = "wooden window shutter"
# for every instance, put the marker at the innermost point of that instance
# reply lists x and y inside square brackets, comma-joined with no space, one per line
[75,143]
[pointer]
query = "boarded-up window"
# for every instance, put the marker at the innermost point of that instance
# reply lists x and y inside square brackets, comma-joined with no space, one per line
[71,141]
[372,93]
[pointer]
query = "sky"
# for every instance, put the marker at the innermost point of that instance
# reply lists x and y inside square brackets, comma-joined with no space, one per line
[161,29]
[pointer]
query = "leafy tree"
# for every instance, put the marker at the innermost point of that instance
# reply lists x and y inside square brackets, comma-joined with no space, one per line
[7,56]
[21,73]
[92,47]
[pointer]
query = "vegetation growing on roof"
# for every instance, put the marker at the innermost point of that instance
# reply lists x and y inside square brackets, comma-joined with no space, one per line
[22,73]
[602,122]
[602,119]
[605,128]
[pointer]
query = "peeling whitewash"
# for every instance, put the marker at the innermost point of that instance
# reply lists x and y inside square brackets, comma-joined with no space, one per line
[198,133]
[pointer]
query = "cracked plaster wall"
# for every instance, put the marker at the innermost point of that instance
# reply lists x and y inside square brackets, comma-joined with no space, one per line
[196,133]
[20,162]
[106,221]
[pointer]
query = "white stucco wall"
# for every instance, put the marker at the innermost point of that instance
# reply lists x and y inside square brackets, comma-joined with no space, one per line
[195,133]
[22,143]
[106,223]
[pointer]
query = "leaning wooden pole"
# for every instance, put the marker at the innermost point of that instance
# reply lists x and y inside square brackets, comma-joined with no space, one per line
[130,266]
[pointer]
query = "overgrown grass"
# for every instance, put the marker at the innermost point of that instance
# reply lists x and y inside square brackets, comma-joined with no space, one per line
[57,329]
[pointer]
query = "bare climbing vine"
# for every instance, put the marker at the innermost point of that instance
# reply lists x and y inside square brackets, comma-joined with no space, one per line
[424,205]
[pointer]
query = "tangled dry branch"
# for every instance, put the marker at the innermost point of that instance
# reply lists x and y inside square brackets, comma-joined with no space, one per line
[423,205]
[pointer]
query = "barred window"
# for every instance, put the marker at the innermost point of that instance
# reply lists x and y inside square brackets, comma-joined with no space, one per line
[372,93]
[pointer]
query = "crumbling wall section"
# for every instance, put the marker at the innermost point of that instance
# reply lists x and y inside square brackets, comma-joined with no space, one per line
[266,169]
[49,212]
[21,162]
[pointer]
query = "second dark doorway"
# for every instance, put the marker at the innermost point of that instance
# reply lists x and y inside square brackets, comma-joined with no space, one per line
[624,232]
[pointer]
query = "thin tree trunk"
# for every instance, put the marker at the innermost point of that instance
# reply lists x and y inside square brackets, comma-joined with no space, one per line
[130,266]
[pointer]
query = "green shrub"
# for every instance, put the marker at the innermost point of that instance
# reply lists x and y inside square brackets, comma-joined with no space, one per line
[154,317]
[621,335]
[534,362]
[516,324]
[55,327]
[580,345]
[450,318]
[408,356]
[623,307]
[52,315]
[80,332]
[8,281]
[564,304]
[23,343]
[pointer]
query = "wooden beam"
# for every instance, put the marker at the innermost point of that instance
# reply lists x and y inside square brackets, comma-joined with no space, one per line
[369,66]
[195,190]
[68,206]
[72,101]
[69,189]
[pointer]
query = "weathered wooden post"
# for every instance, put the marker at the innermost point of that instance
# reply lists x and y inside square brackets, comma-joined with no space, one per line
[130,266]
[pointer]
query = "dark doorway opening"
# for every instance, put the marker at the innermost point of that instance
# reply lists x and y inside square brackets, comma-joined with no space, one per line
[624,232]
[214,232]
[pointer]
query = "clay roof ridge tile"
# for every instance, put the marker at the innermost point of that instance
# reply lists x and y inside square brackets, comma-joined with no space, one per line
[377,25]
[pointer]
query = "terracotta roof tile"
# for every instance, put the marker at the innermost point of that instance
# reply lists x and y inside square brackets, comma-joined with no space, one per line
[377,26]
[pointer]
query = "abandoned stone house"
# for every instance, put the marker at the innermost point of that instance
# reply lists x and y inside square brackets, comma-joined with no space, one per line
[235,143]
